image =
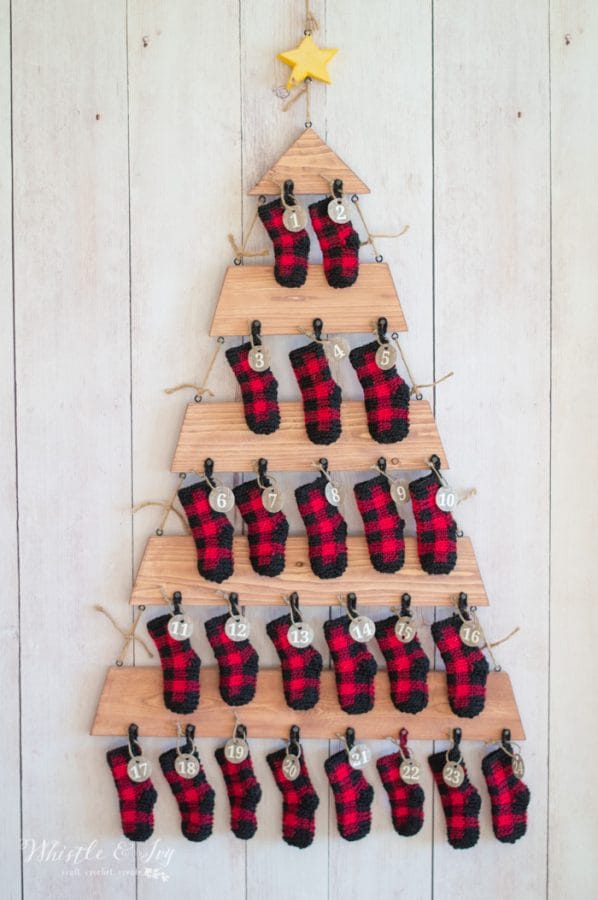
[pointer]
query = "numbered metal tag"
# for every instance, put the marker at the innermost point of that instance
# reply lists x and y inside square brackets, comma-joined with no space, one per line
[336,349]
[300,634]
[410,771]
[221,499]
[339,210]
[362,629]
[359,756]
[236,750]
[405,629]
[471,634]
[333,493]
[453,774]
[259,358]
[399,491]
[237,628]
[294,218]
[187,765]
[518,765]
[273,498]
[180,627]
[386,357]
[446,499]
[139,769]
[291,767]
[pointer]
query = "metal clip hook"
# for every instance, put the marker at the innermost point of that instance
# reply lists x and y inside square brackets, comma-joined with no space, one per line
[317,326]
[256,328]
[132,735]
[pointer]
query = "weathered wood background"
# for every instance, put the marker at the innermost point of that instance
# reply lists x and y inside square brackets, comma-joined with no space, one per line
[130,133]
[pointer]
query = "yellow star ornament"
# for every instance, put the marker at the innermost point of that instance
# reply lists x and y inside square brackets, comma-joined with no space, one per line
[308,61]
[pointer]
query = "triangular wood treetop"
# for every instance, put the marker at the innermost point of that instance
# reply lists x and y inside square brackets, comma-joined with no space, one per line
[311,165]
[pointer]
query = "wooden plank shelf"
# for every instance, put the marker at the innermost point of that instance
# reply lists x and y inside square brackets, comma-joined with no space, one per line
[219,430]
[134,694]
[251,292]
[171,562]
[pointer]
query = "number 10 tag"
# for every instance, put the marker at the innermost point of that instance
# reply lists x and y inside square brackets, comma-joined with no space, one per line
[446,499]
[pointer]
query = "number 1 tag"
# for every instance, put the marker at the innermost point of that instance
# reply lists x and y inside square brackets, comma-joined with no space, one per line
[294,218]
[186,765]
[359,756]
[237,628]
[362,629]
[139,769]
[180,627]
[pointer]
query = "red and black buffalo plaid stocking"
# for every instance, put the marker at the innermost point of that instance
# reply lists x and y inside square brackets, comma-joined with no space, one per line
[354,667]
[291,248]
[436,530]
[194,796]
[509,796]
[259,391]
[321,395]
[301,666]
[386,396]
[212,532]
[244,794]
[180,665]
[299,801]
[466,668]
[136,799]
[406,800]
[407,665]
[267,532]
[382,524]
[352,797]
[237,663]
[326,529]
[461,805]
[340,246]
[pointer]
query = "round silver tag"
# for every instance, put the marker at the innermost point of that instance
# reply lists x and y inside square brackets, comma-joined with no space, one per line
[386,357]
[300,634]
[291,767]
[470,634]
[236,750]
[273,499]
[404,629]
[294,218]
[221,499]
[399,491]
[339,210]
[362,629]
[453,774]
[336,349]
[139,769]
[359,756]
[332,493]
[410,771]
[180,627]
[186,765]
[237,628]
[518,766]
[446,499]
[259,358]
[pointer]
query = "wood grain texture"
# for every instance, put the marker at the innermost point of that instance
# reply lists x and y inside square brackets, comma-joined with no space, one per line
[134,694]
[219,430]
[172,563]
[251,292]
[311,164]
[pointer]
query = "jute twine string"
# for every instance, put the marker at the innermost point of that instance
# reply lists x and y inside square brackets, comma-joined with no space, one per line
[128,635]
[241,251]
[200,390]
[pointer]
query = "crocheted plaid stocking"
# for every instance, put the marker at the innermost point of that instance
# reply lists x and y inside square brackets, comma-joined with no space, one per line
[180,667]
[321,394]
[509,797]
[259,391]
[136,799]
[352,797]
[237,663]
[406,800]
[382,524]
[407,665]
[194,796]
[244,794]
[354,667]
[326,529]
[299,801]
[436,530]
[212,532]
[466,668]
[301,666]
[340,246]
[267,532]
[291,248]
[386,396]
[461,805]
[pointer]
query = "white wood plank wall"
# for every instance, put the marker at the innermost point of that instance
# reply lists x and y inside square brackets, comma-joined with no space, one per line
[129,134]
